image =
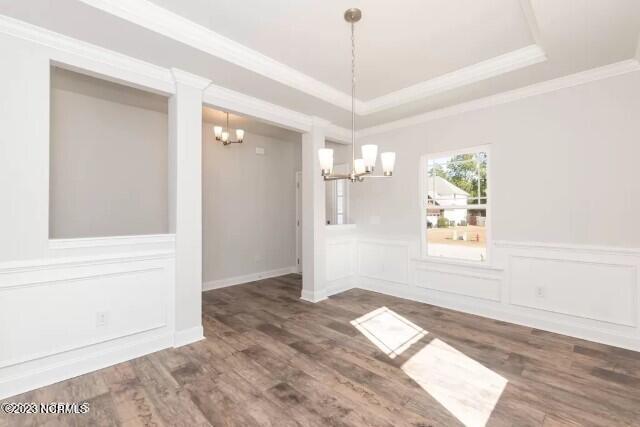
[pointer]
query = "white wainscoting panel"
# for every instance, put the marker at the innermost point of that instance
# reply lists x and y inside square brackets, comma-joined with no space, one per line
[340,264]
[385,260]
[583,291]
[459,281]
[111,244]
[592,290]
[61,317]
[340,255]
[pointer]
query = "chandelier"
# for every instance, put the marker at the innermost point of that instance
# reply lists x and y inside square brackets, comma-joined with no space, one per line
[361,168]
[223,135]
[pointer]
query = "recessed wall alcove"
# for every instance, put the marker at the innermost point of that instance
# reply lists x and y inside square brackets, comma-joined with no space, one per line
[108,158]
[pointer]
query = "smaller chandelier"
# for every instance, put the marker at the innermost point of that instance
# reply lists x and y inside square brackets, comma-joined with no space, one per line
[223,134]
[361,168]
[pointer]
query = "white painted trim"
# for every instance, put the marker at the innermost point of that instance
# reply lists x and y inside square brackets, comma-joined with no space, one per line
[107,241]
[598,250]
[88,359]
[169,24]
[451,262]
[338,134]
[489,68]
[475,306]
[189,79]
[340,227]
[218,96]
[423,192]
[340,285]
[162,21]
[532,21]
[552,85]
[76,55]
[313,297]
[632,267]
[237,280]
[11,267]
[91,59]
[299,222]
[188,336]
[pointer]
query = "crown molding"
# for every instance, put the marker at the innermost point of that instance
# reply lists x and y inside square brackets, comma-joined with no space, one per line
[338,134]
[553,85]
[87,58]
[174,26]
[532,21]
[169,24]
[496,66]
[80,56]
[189,79]
[238,102]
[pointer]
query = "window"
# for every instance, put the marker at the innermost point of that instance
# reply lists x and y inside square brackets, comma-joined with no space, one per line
[455,203]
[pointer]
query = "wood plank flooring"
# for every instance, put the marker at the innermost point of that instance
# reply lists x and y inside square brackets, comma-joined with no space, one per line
[271,359]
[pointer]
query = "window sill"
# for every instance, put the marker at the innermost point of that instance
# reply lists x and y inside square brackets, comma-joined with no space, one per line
[340,227]
[476,265]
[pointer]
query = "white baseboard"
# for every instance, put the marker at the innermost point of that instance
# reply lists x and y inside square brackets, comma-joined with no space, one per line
[497,312]
[340,285]
[87,360]
[237,280]
[314,297]
[188,336]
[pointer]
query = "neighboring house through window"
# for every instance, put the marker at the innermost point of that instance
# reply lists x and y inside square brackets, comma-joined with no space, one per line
[454,204]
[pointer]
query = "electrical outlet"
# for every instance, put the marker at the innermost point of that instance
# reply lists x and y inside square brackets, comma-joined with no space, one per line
[540,291]
[102,318]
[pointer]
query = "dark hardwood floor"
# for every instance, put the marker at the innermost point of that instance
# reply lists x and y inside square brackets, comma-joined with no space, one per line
[359,358]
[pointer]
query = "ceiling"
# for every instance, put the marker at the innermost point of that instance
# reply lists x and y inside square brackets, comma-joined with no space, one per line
[414,56]
[395,49]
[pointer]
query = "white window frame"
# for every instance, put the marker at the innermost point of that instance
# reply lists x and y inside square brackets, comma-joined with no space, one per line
[424,159]
[334,199]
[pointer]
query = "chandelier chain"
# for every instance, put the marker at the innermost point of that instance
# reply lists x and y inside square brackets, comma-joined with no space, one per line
[353,94]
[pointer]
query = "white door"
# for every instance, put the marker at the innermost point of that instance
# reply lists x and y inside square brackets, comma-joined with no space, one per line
[299,221]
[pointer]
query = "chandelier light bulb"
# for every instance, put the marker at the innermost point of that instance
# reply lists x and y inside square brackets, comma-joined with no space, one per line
[240,134]
[388,161]
[325,155]
[358,166]
[225,136]
[369,154]
[217,131]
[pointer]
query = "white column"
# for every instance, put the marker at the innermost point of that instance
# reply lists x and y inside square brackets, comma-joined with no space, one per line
[313,215]
[185,203]
[24,150]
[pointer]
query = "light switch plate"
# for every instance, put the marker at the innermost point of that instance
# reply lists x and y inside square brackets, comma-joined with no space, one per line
[260,151]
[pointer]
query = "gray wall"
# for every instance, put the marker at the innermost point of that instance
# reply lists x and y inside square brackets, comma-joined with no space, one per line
[249,205]
[108,167]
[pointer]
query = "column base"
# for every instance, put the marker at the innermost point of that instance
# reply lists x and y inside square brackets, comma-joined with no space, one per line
[311,296]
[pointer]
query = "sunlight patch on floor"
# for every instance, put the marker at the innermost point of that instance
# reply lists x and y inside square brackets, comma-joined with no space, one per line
[389,331]
[466,388]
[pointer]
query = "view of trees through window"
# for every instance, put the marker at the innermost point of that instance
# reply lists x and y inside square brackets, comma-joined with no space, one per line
[456,206]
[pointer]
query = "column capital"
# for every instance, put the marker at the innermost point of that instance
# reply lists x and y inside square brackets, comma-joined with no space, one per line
[189,79]
[320,122]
